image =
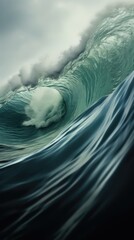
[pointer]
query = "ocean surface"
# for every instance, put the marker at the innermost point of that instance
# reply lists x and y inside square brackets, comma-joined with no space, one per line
[67,144]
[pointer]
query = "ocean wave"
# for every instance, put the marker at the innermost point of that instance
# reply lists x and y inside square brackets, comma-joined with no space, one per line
[68,181]
[65,173]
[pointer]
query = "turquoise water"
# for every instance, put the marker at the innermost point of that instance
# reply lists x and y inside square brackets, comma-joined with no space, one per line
[68,141]
[95,73]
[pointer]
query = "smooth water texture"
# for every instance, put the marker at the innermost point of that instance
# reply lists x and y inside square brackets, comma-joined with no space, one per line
[67,144]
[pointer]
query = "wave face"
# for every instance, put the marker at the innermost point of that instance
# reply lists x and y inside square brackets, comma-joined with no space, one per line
[66,145]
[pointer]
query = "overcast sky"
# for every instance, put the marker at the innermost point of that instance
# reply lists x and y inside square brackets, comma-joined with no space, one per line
[31,30]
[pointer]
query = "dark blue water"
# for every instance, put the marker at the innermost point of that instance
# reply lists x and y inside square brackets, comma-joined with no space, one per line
[77,185]
[61,192]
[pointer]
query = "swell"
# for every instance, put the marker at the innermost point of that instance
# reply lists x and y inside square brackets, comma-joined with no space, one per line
[77,184]
[62,191]
[107,59]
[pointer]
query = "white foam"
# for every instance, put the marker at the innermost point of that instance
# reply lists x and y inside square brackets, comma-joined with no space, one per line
[45,108]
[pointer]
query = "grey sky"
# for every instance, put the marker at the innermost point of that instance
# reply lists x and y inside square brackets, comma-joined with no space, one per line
[33,29]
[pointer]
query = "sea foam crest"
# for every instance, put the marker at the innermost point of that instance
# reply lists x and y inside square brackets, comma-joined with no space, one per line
[46,107]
